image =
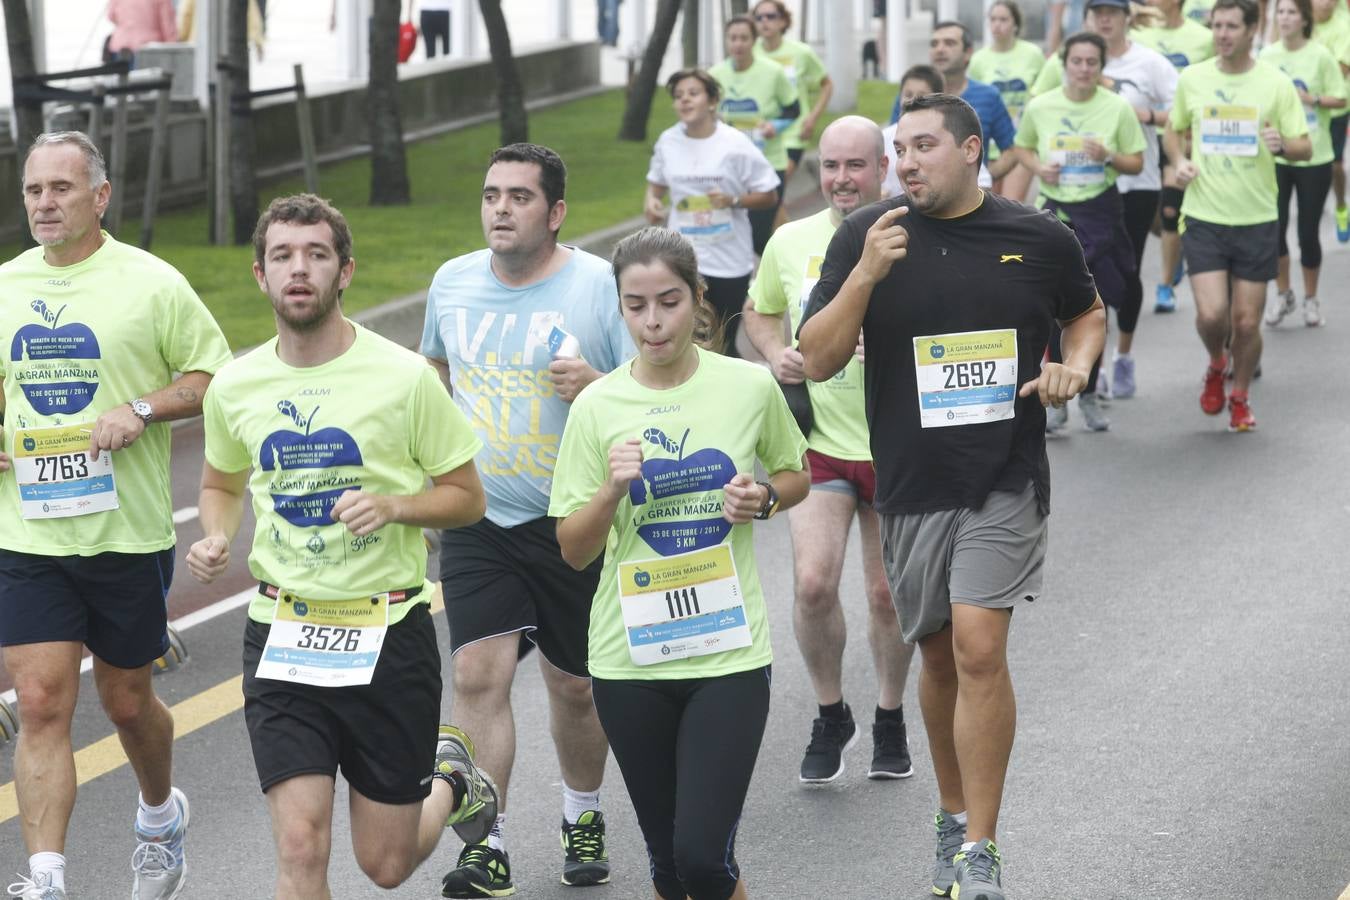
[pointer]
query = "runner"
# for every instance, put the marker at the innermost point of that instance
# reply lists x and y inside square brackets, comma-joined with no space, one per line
[962,477]
[713,176]
[97,330]
[334,431]
[519,330]
[1240,114]
[1010,65]
[804,70]
[655,478]
[1331,29]
[759,100]
[1321,87]
[852,164]
[1076,140]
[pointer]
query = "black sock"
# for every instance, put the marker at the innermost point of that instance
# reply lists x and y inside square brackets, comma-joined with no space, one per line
[894,715]
[834,711]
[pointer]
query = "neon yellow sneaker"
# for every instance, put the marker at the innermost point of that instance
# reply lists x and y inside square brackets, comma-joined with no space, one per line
[1343,224]
[477,810]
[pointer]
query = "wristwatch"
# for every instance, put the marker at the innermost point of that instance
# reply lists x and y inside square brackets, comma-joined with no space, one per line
[143,410]
[771,501]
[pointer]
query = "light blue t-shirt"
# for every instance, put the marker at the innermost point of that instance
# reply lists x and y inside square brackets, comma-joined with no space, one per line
[496,339]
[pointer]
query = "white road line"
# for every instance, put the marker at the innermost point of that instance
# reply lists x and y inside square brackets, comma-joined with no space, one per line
[186,514]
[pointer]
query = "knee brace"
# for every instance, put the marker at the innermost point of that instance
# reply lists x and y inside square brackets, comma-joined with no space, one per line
[1169,209]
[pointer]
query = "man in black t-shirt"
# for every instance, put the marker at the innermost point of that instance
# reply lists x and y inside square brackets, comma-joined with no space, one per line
[955,291]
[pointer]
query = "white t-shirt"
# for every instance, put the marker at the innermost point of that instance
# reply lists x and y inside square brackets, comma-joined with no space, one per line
[891,186]
[1147,80]
[725,161]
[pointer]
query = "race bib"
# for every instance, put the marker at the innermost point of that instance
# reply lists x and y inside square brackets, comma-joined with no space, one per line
[325,643]
[810,275]
[57,478]
[675,607]
[1228,130]
[966,378]
[696,219]
[1076,167]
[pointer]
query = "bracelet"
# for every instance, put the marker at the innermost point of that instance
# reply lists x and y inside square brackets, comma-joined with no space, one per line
[736,201]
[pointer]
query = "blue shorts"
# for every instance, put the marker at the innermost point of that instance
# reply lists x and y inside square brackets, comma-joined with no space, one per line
[113,603]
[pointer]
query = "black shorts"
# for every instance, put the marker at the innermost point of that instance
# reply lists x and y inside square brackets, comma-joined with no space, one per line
[382,735]
[1338,124]
[113,603]
[513,580]
[795,154]
[1249,252]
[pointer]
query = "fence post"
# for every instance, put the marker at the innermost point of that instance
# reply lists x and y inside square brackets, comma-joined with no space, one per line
[221,176]
[305,124]
[158,143]
[119,156]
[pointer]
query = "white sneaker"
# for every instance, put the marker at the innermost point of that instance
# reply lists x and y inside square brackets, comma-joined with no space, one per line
[1056,417]
[1283,304]
[1093,418]
[1312,313]
[38,887]
[158,860]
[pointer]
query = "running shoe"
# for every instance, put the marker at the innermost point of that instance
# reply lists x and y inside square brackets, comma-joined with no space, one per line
[477,810]
[158,862]
[1093,417]
[39,887]
[1240,416]
[1343,224]
[1312,312]
[951,834]
[482,871]
[1056,417]
[1166,301]
[1283,304]
[890,750]
[585,861]
[977,873]
[1104,388]
[830,737]
[1122,376]
[1211,397]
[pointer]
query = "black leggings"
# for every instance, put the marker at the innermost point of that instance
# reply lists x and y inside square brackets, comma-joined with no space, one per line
[1140,209]
[1312,183]
[687,749]
[727,298]
[761,220]
[436,25]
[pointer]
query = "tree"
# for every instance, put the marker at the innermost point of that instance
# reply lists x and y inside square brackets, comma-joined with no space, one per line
[515,125]
[690,35]
[243,154]
[22,62]
[640,92]
[388,161]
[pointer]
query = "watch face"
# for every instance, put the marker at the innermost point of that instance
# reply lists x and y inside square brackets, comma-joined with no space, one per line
[142,409]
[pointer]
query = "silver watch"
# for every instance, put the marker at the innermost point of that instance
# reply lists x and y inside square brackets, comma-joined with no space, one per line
[143,410]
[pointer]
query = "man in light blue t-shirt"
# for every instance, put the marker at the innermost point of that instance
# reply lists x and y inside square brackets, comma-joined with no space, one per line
[519,329]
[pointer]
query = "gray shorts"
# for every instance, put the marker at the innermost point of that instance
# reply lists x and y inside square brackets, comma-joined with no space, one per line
[990,557]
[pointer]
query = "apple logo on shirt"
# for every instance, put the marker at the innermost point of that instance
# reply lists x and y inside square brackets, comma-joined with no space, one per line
[681,498]
[289,450]
[52,389]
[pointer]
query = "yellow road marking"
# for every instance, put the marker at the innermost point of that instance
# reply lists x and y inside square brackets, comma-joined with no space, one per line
[197,711]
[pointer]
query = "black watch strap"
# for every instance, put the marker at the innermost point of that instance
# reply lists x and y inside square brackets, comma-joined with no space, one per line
[770,505]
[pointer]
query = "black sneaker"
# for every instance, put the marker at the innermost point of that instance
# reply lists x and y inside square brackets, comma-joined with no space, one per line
[584,859]
[482,871]
[830,737]
[890,750]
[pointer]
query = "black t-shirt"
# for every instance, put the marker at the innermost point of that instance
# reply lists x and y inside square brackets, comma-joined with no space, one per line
[1004,267]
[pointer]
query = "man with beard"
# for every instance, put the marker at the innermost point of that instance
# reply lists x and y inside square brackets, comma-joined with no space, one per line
[852,168]
[335,431]
[955,290]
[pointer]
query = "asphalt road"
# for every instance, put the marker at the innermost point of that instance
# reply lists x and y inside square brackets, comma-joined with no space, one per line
[1181,685]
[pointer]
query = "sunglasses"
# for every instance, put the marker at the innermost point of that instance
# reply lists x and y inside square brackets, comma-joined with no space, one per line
[760,17]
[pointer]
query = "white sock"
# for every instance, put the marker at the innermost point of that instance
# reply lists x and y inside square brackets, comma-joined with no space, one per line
[156,818]
[1120,355]
[54,864]
[494,838]
[967,846]
[577,802]
[960,818]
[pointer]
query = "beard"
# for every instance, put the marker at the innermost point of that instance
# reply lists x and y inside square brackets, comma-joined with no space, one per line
[326,300]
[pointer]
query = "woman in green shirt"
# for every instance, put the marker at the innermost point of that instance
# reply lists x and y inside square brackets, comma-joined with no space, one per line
[655,472]
[802,67]
[1010,65]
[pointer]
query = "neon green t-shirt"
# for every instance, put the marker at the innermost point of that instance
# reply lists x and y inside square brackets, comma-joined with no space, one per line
[377,419]
[1055,126]
[695,438]
[1235,184]
[1050,77]
[1012,73]
[806,73]
[1198,11]
[84,339]
[757,94]
[788,271]
[1190,43]
[1334,34]
[1313,69]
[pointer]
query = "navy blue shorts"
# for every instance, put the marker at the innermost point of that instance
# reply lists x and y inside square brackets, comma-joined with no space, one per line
[113,603]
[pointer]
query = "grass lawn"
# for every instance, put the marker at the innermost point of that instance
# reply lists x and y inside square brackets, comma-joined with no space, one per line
[398,249]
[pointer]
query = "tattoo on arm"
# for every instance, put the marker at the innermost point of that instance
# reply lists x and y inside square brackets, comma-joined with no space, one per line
[186,394]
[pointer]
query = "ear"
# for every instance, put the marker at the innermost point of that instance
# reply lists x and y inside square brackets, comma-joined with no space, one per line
[260,276]
[345,278]
[101,198]
[971,148]
[556,215]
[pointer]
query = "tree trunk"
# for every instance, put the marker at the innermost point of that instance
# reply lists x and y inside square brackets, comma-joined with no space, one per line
[388,161]
[243,153]
[689,33]
[19,30]
[640,92]
[742,7]
[515,125]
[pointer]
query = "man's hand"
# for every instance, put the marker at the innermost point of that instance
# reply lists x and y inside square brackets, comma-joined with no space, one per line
[1048,173]
[364,512]
[1057,384]
[788,366]
[885,245]
[1272,138]
[569,377]
[741,499]
[1186,172]
[625,467]
[859,351]
[208,558]
[116,429]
